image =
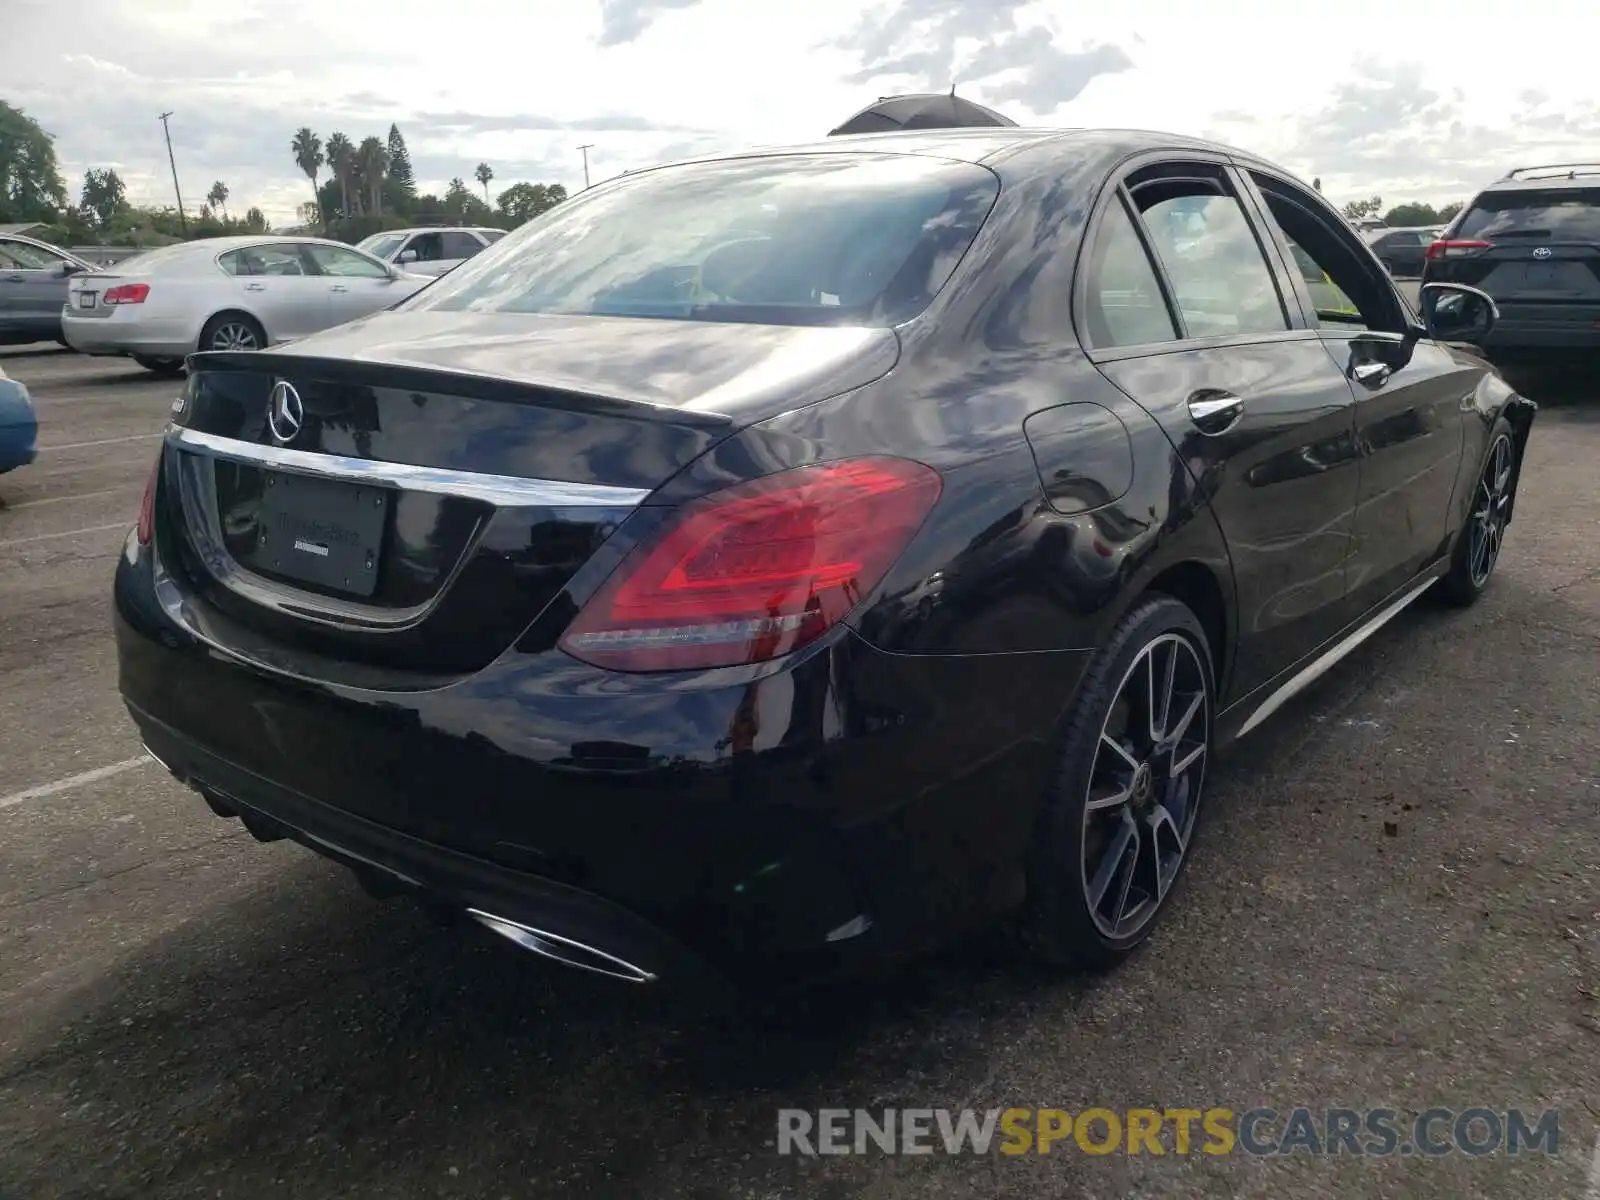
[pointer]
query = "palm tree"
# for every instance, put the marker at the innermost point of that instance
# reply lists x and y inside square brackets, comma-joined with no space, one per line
[307,148]
[484,173]
[217,197]
[342,161]
[372,161]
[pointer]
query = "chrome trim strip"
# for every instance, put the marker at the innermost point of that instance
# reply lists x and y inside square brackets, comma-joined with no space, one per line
[505,491]
[563,950]
[1324,661]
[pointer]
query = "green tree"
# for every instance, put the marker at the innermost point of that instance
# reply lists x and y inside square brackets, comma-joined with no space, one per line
[457,198]
[217,197]
[483,175]
[523,201]
[31,188]
[1316,185]
[307,149]
[309,214]
[1358,209]
[402,187]
[372,160]
[1447,212]
[342,162]
[1403,216]
[103,195]
[256,221]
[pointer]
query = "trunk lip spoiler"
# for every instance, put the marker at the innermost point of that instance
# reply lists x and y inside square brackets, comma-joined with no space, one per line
[502,491]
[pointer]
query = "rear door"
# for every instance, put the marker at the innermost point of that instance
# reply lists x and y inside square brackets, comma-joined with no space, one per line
[1181,310]
[1408,391]
[357,286]
[278,283]
[1534,249]
[35,288]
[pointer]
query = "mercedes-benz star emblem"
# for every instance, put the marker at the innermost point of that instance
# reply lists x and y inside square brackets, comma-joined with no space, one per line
[1542,252]
[285,413]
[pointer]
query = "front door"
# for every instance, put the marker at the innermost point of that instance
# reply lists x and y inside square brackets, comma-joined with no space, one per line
[1409,395]
[357,286]
[1184,314]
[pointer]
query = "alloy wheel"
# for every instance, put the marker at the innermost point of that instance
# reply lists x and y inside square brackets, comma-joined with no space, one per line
[1490,506]
[234,335]
[1145,786]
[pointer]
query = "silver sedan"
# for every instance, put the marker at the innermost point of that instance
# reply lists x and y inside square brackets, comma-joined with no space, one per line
[239,293]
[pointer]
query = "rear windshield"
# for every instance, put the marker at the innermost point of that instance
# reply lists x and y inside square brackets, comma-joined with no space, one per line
[1555,214]
[826,239]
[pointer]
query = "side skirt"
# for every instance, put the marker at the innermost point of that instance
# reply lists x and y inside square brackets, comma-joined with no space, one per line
[1343,645]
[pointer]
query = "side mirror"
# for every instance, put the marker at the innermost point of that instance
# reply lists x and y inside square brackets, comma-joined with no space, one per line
[406,256]
[71,268]
[1453,312]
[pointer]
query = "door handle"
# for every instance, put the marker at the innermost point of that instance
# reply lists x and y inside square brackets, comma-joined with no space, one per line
[1370,373]
[1214,412]
[338,287]
[255,287]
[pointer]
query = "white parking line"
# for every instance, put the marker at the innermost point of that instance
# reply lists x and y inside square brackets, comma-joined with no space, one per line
[72,781]
[67,499]
[43,537]
[132,437]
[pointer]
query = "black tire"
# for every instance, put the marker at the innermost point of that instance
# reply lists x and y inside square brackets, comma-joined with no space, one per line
[218,333]
[161,366]
[1473,560]
[1061,924]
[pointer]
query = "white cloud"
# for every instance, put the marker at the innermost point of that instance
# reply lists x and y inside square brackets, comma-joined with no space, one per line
[1410,102]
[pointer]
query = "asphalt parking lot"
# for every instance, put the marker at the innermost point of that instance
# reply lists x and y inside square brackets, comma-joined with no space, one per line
[1396,904]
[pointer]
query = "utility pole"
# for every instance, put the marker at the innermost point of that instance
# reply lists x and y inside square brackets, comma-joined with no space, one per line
[586,147]
[183,221]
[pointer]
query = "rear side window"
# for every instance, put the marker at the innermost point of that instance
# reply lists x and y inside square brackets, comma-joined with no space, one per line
[1219,275]
[1558,214]
[821,239]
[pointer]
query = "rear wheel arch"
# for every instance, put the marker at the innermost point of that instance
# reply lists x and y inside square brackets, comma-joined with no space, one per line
[1196,586]
[233,314]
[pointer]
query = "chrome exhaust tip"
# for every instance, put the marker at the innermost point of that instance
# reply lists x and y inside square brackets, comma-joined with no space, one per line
[563,950]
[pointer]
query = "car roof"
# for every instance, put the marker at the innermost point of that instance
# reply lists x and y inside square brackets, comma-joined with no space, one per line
[988,143]
[1578,176]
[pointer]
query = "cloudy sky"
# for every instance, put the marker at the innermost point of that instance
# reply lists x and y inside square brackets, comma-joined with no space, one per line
[1410,101]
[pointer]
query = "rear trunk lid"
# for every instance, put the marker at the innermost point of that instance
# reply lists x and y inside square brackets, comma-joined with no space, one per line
[392,503]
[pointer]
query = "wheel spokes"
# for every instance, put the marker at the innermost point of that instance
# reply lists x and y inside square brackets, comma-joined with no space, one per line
[1144,785]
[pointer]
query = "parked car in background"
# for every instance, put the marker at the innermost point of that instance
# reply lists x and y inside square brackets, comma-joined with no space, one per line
[1402,251]
[19,425]
[431,251]
[238,293]
[1531,241]
[33,287]
[796,560]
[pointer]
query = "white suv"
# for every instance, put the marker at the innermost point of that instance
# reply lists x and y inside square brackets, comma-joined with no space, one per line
[430,251]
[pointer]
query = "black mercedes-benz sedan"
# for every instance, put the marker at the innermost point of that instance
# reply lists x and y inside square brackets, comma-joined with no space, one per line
[781,564]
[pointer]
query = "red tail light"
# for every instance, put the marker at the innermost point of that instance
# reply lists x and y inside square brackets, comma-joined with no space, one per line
[757,570]
[146,527]
[126,293]
[1457,249]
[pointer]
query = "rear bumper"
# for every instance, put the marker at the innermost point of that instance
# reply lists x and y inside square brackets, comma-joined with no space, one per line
[111,335]
[849,810]
[1549,327]
[19,428]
